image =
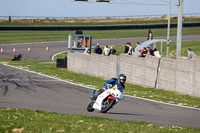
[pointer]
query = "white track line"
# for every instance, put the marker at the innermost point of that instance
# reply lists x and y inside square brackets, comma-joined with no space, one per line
[52,58]
[53,80]
[89,87]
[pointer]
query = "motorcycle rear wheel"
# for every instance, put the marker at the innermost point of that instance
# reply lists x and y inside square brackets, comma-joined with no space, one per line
[107,104]
[90,107]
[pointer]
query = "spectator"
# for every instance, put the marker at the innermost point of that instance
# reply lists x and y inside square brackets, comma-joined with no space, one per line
[126,48]
[143,52]
[130,49]
[106,50]
[150,51]
[137,45]
[87,51]
[97,49]
[17,57]
[150,35]
[112,50]
[191,54]
[157,53]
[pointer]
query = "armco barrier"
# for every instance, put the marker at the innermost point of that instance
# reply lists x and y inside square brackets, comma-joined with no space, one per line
[112,27]
[179,75]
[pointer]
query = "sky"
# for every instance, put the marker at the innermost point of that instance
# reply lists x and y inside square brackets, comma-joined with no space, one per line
[69,8]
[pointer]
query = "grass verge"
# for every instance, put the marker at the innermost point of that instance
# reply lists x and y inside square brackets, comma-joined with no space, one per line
[7,37]
[18,121]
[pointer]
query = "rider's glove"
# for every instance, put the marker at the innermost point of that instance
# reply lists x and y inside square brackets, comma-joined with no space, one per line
[109,86]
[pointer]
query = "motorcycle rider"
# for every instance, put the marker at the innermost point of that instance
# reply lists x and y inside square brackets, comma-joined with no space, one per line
[120,81]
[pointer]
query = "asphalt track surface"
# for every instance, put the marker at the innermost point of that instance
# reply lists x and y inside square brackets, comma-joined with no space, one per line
[22,89]
[38,50]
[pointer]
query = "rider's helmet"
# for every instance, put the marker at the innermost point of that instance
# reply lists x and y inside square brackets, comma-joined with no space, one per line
[122,78]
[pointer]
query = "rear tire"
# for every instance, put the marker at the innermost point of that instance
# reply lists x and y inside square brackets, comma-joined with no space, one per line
[107,104]
[90,107]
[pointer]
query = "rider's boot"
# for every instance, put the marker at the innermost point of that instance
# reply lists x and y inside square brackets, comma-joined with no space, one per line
[93,98]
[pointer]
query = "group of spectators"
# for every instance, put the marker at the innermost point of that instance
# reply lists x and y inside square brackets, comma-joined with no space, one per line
[129,50]
[106,51]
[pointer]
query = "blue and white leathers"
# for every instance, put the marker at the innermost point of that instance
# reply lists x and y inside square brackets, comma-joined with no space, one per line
[113,83]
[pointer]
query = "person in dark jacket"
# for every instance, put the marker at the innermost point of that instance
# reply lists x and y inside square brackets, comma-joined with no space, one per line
[112,50]
[127,47]
[97,49]
[150,51]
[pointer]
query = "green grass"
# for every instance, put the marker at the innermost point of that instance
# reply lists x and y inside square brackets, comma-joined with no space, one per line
[7,37]
[194,45]
[60,56]
[47,122]
[13,120]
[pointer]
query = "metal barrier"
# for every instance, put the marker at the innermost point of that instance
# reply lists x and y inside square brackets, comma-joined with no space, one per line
[116,27]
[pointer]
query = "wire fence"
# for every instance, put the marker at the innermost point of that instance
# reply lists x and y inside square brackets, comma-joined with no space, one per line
[98,19]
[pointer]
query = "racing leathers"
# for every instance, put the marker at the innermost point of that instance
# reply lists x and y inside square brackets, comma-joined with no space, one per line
[109,84]
[112,82]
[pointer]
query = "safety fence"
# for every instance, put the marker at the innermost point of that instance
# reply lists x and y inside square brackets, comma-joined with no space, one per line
[87,19]
[115,27]
[179,75]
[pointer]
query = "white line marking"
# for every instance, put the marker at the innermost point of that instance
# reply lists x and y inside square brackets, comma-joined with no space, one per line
[89,87]
[52,58]
[32,80]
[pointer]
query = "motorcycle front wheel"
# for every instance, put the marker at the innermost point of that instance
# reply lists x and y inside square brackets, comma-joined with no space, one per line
[90,107]
[107,104]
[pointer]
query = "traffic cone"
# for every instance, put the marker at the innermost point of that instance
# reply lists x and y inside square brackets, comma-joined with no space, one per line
[29,49]
[47,49]
[1,50]
[14,51]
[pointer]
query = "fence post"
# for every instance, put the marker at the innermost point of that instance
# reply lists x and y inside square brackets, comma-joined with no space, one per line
[118,66]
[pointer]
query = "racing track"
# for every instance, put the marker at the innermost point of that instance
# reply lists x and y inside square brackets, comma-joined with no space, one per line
[38,49]
[22,89]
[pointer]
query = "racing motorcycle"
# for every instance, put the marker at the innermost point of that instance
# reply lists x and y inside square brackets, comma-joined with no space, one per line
[106,100]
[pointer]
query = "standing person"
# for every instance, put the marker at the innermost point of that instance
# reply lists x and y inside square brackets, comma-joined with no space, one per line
[150,35]
[112,50]
[191,54]
[130,49]
[137,45]
[97,49]
[126,48]
[106,50]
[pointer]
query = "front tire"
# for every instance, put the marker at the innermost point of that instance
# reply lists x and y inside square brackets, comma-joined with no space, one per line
[90,107]
[107,104]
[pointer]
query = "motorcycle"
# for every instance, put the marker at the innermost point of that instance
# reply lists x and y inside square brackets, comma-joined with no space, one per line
[106,100]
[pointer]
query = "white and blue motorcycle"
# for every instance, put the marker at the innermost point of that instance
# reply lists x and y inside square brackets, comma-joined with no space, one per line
[106,100]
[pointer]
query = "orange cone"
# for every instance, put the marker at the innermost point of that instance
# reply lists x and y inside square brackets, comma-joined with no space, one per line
[1,51]
[29,49]
[14,51]
[47,49]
